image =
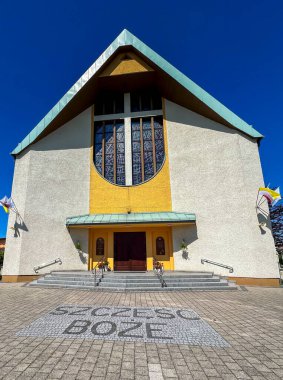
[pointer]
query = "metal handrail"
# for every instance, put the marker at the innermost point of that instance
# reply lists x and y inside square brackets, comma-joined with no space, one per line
[159,271]
[231,270]
[36,269]
[94,270]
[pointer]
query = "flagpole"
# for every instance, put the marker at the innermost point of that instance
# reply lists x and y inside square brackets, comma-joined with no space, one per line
[261,202]
[263,211]
[17,211]
[256,204]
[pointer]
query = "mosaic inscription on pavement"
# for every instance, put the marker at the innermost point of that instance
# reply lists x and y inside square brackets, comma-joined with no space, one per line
[159,325]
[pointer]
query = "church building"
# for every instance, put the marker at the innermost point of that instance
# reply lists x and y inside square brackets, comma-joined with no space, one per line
[137,163]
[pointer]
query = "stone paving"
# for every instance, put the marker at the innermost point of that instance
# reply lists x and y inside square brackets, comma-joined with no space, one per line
[250,322]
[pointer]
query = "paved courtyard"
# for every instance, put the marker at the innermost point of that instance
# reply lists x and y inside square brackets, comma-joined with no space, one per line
[63,334]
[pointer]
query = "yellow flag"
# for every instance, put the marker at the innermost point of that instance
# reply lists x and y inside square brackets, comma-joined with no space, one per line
[6,209]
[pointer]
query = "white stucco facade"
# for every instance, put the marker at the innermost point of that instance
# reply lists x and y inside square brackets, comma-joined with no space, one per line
[215,172]
[51,182]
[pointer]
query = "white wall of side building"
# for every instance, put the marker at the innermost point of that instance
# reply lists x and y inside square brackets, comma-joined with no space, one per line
[51,182]
[215,172]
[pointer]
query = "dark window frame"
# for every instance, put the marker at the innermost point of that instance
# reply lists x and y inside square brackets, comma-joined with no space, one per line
[160,249]
[98,248]
[145,101]
[102,124]
[156,164]
[115,102]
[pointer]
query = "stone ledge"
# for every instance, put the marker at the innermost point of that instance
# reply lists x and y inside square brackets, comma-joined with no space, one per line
[252,281]
[19,278]
[248,281]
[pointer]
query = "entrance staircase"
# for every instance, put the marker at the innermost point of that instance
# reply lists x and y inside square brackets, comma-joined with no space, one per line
[136,281]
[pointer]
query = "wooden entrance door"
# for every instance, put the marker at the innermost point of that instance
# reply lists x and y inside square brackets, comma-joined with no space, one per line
[129,251]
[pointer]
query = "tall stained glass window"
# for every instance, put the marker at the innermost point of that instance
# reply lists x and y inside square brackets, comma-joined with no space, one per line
[147,148]
[129,147]
[109,150]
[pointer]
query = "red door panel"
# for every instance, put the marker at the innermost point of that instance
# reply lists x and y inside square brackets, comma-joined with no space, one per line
[129,251]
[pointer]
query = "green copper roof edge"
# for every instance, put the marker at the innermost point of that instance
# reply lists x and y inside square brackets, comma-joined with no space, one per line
[50,116]
[191,86]
[126,38]
[121,218]
[191,221]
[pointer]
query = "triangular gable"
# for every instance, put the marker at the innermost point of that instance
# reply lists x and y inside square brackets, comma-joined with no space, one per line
[128,39]
[123,64]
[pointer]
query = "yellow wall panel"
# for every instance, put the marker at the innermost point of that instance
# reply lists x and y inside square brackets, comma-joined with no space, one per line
[120,65]
[151,234]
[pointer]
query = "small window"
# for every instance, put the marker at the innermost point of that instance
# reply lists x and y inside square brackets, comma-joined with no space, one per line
[160,246]
[109,104]
[145,101]
[100,247]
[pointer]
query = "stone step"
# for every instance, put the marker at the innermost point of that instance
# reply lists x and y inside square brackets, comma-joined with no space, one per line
[165,289]
[126,272]
[135,284]
[65,282]
[190,274]
[197,283]
[112,286]
[167,279]
[130,285]
[121,275]
[168,289]
[66,278]
[124,277]
[133,281]
[193,275]
[182,279]
[150,289]
[175,285]
[121,281]
[62,286]
[72,274]
[130,278]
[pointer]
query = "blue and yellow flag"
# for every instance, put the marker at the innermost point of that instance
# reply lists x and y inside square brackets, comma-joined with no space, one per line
[7,204]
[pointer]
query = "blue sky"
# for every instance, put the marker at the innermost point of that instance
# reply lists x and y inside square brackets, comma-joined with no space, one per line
[233,49]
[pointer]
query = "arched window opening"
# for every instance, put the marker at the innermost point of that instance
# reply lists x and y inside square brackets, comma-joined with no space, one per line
[100,247]
[160,246]
[129,150]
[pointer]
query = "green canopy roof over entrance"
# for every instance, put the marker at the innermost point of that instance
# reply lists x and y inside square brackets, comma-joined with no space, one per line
[133,218]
